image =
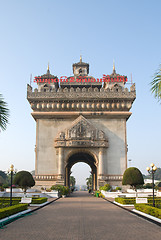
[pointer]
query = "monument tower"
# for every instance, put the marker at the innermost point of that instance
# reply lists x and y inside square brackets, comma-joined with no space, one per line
[80,120]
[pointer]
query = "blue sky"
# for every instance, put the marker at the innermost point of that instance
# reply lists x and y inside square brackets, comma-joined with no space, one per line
[34,33]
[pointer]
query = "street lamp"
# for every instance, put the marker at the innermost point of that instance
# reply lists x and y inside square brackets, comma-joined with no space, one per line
[152,171]
[129,162]
[11,170]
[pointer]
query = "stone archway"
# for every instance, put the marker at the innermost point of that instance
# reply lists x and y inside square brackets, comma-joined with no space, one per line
[85,157]
[84,143]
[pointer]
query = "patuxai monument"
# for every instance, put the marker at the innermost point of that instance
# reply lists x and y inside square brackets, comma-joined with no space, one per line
[80,119]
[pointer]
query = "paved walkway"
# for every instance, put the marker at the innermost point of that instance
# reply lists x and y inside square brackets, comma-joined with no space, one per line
[81,217]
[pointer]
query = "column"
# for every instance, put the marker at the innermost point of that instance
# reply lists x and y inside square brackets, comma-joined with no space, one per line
[94,181]
[61,163]
[100,166]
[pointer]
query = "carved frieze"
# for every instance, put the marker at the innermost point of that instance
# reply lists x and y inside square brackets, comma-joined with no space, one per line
[81,134]
[112,177]
[91,99]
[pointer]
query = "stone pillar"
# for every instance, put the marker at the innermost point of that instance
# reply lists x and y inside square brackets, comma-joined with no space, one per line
[101,163]
[66,177]
[61,163]
[94,181]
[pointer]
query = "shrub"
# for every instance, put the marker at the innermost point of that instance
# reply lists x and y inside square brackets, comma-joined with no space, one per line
[133,200]
[38,200]
[24,180]
[57,187]
[125,201]
[148,210]
[7,200]
[106,187]
[5,185]
[118,188]
[48,190]
[148,185]
[132,176]
[159,184]
[35,200]
[101,195]
[8,211]
[63,190]
[97,193]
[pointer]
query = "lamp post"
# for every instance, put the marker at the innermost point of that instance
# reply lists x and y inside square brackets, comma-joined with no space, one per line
[152,171]
[11,170]
[129,162]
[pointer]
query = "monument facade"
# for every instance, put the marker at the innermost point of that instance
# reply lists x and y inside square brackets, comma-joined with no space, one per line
[80,119]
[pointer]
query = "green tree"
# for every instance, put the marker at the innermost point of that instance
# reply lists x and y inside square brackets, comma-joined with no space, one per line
[106,187]
[24,180]
[72,181]
[133,177]
[4,114]
[156,84]
[157,175]
[2,181]
[89,182]
[3,175]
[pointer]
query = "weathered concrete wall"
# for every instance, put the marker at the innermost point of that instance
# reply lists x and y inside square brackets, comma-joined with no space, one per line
[114,157]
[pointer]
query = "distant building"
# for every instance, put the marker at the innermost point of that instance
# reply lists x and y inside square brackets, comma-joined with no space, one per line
[150,181]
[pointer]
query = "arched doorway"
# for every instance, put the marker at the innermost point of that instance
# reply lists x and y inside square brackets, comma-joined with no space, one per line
[81,157]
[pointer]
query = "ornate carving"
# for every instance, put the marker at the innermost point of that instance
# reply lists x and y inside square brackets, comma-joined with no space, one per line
[81,134]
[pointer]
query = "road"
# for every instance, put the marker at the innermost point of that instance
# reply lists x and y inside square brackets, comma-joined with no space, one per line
[81,217]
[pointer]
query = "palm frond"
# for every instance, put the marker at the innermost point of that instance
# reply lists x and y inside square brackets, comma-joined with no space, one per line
[156,84]
[4,114]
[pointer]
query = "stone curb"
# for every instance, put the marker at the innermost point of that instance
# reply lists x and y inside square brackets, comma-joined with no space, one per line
[147,215]
[39,205]
[123,205]
[6,220]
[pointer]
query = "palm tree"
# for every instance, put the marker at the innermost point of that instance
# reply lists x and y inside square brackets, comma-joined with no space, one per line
[72,181]
[156,84]
[4,113]
[89,182]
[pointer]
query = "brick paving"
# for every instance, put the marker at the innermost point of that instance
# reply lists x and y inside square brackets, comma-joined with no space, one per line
[81,217]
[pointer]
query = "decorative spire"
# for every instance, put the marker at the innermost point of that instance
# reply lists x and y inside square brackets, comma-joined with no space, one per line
[80,58]
[48,71]
[114,67]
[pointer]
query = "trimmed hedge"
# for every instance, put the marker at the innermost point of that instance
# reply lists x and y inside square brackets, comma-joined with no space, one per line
[132,176]
[8,211]
[7,200]
[156,212]
[38,200]
[125,201]
[133,201]
[18,199]
[3,205]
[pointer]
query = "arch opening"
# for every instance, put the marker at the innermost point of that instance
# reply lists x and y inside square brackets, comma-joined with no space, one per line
[81,157]
[81,172]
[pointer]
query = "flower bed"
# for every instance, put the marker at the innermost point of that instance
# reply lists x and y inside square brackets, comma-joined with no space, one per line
[8,211]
